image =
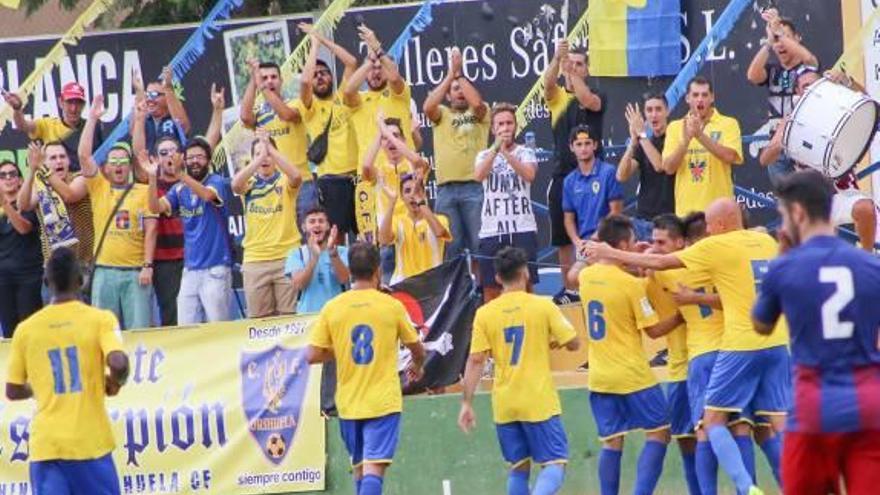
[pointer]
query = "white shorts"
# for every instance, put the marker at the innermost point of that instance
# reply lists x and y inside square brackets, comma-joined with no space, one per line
[842,205]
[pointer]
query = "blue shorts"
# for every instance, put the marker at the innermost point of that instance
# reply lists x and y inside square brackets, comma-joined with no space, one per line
[758,380]
[91,477]
[679,409]
[618,414]
[543,442]
[372,440]
[699,373]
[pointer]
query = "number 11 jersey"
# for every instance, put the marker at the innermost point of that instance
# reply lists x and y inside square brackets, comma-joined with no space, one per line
[828,292]
[363,328]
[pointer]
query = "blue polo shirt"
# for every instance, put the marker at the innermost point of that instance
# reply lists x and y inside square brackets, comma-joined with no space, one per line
[323,285]
[589,196]
[206,240]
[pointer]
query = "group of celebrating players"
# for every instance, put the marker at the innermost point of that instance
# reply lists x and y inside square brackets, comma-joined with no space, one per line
[806,387]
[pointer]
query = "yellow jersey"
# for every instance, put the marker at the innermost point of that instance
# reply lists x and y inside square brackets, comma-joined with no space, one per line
[49,129]
[290,137]
[270,218]
[517,329]
[124,243]
[363,116]
[416,248]
[341,158]
[705,325]
[676,340]
[362,328]
[702,177]
[617,308]
[391,174]
[458,137]
[736,262]
[60,351]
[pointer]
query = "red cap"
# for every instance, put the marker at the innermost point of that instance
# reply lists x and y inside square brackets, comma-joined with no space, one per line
[73,91]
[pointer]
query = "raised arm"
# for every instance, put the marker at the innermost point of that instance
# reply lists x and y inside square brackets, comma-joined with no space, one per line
[673,160]
[724,153]
[585,96]
[84,151]
[139,139]
[386,232]
[154,202]
[551,75]
[215,127]
[627,165]
[248,117]
[27,200]
[369,171]
[294,176]
[350,95]
[21,224]
[392,72]
[175,106]
[484,165]
[240,180]
[601,251]
[306,80]
[17,104]
[348,60]
[281,108]
[771,153]
[435,98]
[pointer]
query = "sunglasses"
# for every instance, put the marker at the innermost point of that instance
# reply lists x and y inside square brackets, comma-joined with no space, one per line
[9,175]
[167,152]
[154,95]
[118,161]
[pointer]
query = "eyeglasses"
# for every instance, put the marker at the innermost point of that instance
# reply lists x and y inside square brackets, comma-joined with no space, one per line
[118,161]
[167,152]
[323,72]
[154,95]
[9,175]
[196,158]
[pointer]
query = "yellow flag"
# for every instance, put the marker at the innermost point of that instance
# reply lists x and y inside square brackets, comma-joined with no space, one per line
[10,4]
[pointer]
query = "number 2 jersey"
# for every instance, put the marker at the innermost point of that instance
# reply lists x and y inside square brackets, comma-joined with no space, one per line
[828,291]
[517,329]
[60,352]
[363,328]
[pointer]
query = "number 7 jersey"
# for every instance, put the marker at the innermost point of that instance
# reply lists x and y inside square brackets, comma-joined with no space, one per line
[517,328]
[363,328]
[60,352]
[829,292]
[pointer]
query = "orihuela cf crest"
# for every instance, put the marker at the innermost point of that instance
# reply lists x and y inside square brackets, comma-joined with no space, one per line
[273,386]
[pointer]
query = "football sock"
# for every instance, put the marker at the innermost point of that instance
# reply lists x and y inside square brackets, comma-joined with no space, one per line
[772,449]
[650,467]
[371,485]
[609,471]
[357,486]
[549,480]
[689,462]
[729,457]
[747,450]
[518,482]
[707,469]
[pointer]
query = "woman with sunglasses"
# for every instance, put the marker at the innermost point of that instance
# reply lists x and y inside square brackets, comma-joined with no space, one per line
[21,259]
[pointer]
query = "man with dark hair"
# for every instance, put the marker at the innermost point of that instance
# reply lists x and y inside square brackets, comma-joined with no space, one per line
[460,129]
[700,150]
[779,75]
[318,269]
[361,330]
[518,330]
[575,103]
[656,191]
[694,226]
[828,293]
[624,393]
[589,193]
[58,357]
[199,200]
[165,113]
[330,130]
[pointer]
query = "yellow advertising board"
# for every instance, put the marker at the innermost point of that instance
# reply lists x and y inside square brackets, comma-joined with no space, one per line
[225,408]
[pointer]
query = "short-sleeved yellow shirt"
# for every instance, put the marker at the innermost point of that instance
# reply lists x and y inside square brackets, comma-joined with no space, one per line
[124,243]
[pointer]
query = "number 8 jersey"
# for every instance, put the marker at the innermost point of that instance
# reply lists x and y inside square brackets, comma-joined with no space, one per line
[60,351]
[363,328]
[828,292]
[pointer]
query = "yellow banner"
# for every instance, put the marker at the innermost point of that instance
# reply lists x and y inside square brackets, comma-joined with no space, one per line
[218,408]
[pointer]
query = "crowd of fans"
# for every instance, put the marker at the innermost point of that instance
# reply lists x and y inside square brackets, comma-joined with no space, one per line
[339,163]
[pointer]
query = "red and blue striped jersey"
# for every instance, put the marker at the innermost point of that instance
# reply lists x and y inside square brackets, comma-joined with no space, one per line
[828,291]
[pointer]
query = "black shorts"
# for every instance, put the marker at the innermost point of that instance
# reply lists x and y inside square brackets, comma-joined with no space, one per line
[558,236]
[491,245]
[336,195]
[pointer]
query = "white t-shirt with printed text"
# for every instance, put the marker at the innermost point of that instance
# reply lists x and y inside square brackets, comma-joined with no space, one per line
[507,197]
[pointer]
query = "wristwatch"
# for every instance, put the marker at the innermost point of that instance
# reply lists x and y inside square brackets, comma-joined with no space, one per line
[643,135]
[147,264]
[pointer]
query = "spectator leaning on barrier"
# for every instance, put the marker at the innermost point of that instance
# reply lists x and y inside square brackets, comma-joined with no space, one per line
[574,104]
[506,171]
[589,194]
[656,192]
[779,75]
[270,227]
[125,230]
[700,150]
[166,115]
[21,260]
[66,129]
[60,199]
[318,269]
[419,237]
[461,130]
[282,121]
[333,147]
[199,199]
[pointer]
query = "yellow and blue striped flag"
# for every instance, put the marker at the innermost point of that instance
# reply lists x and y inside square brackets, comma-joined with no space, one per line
[640,38]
